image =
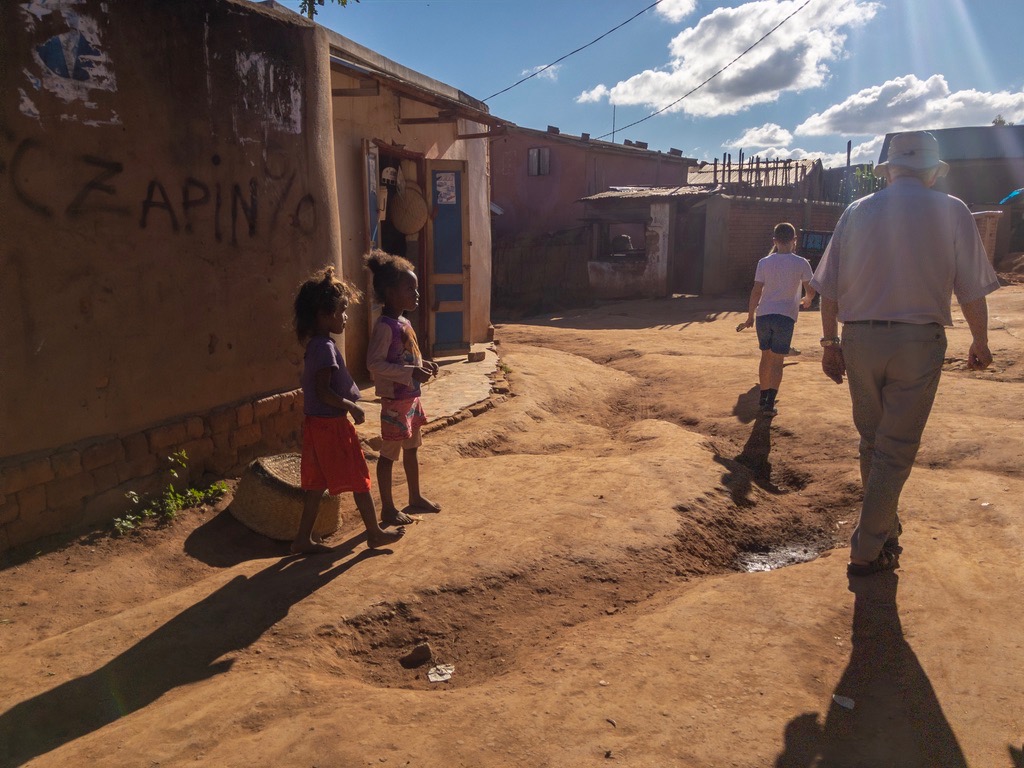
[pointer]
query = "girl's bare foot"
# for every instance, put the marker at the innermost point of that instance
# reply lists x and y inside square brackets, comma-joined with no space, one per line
[376,539]
[392,516]
[425,504]
[308,548]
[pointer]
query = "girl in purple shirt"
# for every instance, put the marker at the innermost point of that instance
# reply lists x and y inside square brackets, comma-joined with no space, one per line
[332,459]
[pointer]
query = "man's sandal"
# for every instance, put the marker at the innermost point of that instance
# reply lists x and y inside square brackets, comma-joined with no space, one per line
[892,544]
[886,561]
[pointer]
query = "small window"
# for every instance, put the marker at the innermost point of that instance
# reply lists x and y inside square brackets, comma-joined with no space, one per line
[539,161]
[814,241]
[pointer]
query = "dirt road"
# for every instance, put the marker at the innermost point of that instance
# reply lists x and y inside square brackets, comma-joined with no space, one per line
[582,579]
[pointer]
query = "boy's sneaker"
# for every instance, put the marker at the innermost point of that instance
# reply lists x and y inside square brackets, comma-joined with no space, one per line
[768,409]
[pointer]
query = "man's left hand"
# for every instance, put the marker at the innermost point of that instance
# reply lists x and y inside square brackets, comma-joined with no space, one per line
[833,363]
[979,358]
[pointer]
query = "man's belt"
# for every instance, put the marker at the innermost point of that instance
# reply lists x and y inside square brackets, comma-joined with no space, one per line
[886,323]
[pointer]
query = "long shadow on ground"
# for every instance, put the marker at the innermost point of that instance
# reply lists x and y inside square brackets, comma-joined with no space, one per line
[223,542]
[677,312]
[896,719]
[182,651]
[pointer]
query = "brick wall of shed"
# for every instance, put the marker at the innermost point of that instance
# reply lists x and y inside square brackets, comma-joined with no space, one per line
[739,233]
[536,273]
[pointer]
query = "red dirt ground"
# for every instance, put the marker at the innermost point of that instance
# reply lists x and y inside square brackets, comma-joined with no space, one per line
[583,580]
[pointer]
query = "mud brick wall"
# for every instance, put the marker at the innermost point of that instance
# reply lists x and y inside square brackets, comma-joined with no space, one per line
[536,273]
[739,233]
[84,483]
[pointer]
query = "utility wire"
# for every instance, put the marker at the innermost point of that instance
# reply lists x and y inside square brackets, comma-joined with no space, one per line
[556,61]
[712,77]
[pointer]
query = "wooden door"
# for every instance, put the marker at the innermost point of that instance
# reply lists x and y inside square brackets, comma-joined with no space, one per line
[448,257]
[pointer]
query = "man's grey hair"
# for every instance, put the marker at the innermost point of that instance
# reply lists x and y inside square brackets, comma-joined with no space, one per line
[924,174]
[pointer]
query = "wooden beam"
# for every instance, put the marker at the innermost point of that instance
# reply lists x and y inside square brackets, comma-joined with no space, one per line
[501,130]
[366,87]
[441,118]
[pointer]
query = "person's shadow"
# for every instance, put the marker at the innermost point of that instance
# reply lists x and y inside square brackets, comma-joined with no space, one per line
[184,650]
[751,467]
[896,718]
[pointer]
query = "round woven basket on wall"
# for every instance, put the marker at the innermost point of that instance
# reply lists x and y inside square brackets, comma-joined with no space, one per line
[269,500]
[408,209]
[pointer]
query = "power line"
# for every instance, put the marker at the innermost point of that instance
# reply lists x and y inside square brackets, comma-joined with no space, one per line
[712,77]
[556,61]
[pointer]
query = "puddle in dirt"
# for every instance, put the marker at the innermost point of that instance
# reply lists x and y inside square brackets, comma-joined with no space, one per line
[752,562]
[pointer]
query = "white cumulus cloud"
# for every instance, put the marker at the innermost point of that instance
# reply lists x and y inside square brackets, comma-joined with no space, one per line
[596,94]
[768,135]
[676,10]
[909,104]
[794,58]
[551,73]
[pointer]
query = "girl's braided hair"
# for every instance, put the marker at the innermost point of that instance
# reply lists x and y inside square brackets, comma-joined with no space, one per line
[323,292]
[387,270]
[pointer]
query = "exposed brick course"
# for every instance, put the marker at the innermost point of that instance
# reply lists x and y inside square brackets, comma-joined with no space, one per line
[248,435]
[66,464]
[244,414]
[130,470]
[198,451]
[9,511]
[135,446]
[222,420]
[102,455]
[32,500]
[69,490]
[105,478]
[167,436]
[266,407]
[25,475]
[194,427]
[86,482]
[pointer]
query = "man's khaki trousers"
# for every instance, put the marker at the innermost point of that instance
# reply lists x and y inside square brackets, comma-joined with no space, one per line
[893,371]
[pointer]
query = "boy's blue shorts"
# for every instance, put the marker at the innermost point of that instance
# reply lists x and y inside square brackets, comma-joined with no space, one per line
[775,332]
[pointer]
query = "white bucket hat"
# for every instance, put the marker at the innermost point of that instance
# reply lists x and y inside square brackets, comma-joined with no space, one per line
[916,149]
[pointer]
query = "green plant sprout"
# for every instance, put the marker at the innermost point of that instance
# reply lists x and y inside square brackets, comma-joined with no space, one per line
[165,506]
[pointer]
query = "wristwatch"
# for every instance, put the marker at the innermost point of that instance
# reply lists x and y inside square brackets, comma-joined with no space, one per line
[831,341]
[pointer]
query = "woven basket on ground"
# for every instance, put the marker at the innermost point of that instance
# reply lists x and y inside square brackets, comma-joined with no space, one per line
[269,499]
[408,209]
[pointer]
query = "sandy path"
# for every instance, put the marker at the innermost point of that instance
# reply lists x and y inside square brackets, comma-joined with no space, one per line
[579,580]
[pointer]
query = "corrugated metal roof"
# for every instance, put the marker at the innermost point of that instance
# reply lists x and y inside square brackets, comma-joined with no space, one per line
[983,142]
[633,148]
[706,175]
[641,193]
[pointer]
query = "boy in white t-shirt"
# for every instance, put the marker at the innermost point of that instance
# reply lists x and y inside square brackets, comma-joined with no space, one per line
[775,299]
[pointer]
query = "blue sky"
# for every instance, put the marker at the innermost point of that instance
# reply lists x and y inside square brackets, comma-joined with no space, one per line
[838,70]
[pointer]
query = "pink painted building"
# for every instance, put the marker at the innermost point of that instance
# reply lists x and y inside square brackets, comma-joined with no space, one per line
[538,177]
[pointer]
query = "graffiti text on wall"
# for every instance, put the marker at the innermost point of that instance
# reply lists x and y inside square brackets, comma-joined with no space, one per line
[228,209]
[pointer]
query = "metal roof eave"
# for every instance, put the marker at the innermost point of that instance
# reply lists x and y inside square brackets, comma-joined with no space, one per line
[350,57]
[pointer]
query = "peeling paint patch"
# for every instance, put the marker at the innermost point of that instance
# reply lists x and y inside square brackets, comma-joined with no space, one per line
[71,65]
[27,106]
[273,90]
[37,9]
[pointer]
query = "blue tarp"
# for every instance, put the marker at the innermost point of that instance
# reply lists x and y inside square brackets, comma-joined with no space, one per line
[1012,195]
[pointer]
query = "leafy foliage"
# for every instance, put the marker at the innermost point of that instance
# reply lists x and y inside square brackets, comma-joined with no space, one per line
[165,506]
[308,7]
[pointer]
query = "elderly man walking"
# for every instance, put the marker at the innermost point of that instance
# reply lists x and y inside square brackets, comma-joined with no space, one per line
[888,274]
